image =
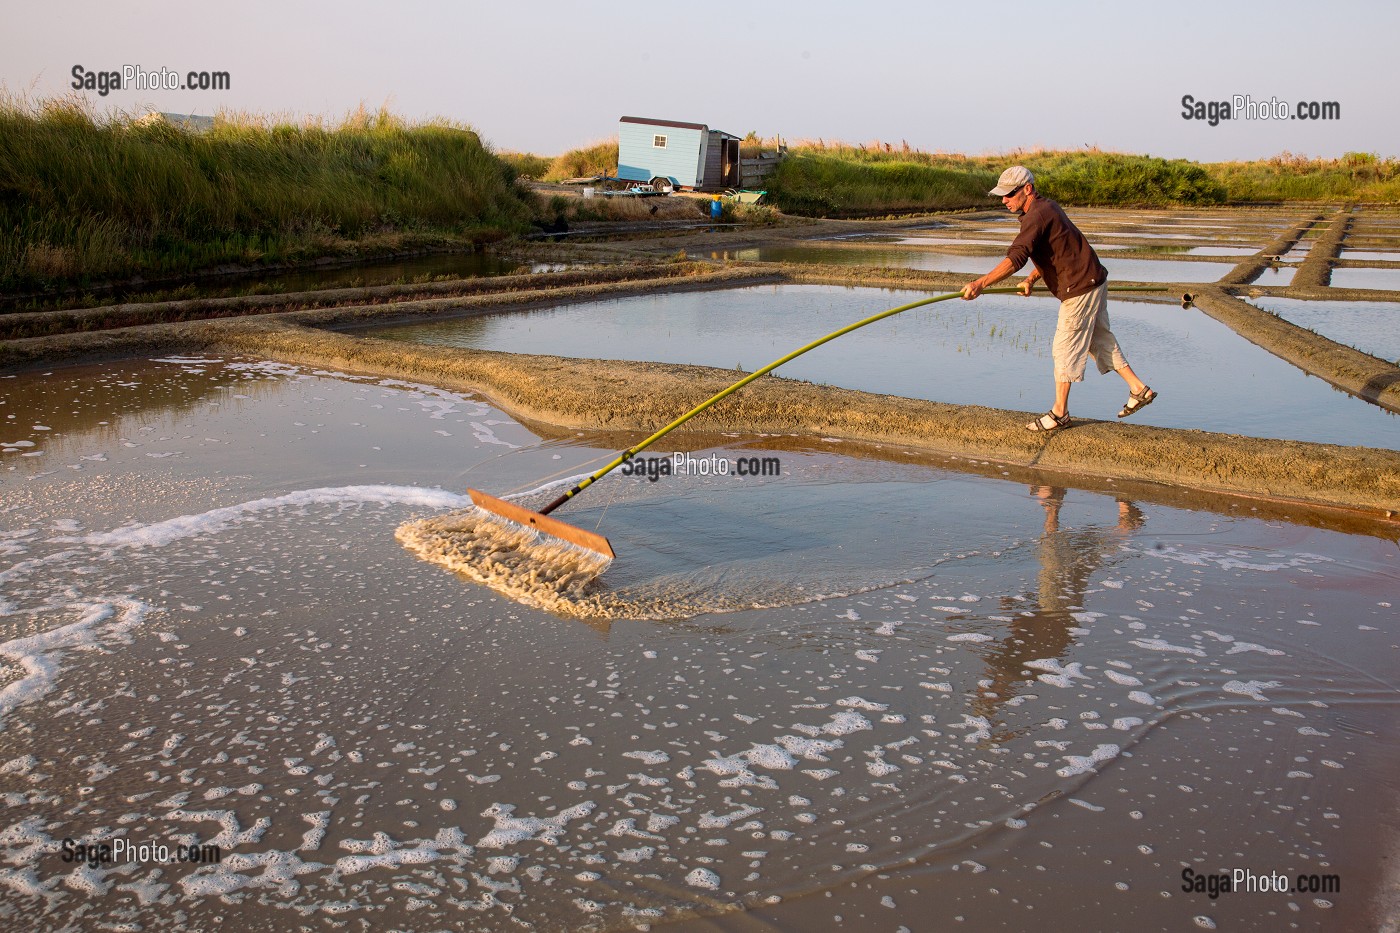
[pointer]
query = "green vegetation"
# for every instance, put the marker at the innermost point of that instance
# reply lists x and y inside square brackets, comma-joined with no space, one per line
[841,180]
[808,182]
[1108,178]
[526,164]
[1356,176]
[85,198]
[595,159]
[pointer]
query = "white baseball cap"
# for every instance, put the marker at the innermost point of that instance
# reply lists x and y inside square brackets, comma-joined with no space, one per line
[1011,179]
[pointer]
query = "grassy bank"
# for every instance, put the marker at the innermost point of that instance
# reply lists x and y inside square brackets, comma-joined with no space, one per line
[83,198]
[840,180]
[837,179]
[820,185]
[1357,176]
[594,159]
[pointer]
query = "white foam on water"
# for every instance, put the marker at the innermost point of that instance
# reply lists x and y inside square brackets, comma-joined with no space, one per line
[735,773]
[709,820]
[266,368]
[40,655]
[703,878]
[771,757]
[980,728]
[1251,688]
[810,749]
[438,403]
[860,703]
[1084,764]
[1158,644]
[1242,646]
[880,767]
[487,436]
[1235,558]
[512,830]
[159,534]
[311,840]
[628,827]
[1057,674]
[381,851]
[846,723]
[280,870]
[231,833]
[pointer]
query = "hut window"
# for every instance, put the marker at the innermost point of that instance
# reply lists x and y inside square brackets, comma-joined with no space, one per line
[658,142]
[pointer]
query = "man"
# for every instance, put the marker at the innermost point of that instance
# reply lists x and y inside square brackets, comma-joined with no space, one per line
[1073,273]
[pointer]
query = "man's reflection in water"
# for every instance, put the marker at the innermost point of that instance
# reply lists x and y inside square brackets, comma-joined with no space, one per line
[1042,622]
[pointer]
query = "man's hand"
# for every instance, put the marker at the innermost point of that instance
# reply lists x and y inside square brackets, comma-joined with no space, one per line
[1025,288]
[972,289]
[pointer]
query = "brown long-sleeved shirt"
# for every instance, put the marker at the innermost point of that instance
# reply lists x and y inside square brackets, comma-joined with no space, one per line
[1065,259]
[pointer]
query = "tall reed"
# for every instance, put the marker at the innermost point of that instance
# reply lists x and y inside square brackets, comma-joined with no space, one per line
[86,197]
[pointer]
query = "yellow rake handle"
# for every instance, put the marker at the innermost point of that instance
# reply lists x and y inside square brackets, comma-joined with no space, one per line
[631,452]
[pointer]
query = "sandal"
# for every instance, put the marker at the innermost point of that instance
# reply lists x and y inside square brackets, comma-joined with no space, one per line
[1049,422]
[1137,401]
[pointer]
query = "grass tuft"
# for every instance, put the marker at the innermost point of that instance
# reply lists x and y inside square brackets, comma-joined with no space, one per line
[598,158]
[85,197]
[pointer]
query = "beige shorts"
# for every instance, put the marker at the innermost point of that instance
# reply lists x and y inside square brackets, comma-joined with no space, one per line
[1083,332]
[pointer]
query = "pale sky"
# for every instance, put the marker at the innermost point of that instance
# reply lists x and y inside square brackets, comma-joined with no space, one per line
[962,77]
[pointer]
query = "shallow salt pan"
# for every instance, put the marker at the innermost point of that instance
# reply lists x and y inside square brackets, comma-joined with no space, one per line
[994,351]
[401,685]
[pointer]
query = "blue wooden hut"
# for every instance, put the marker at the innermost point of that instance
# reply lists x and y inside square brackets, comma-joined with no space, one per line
[679,155]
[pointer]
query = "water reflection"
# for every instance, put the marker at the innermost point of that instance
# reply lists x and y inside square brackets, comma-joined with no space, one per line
[1044,622]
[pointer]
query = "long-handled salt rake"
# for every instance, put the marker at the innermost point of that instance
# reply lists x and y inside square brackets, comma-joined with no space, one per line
[540,521]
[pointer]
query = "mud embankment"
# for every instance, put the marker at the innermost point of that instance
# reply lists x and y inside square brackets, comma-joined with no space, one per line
[642,396]
[1363,375]
[1248,270]
[109,317]
[1316,269]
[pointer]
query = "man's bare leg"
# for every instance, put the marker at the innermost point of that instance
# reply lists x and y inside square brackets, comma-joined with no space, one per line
[1135,385]
[1062,397]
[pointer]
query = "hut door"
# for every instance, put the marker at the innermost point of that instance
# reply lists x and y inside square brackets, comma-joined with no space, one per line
[730,177]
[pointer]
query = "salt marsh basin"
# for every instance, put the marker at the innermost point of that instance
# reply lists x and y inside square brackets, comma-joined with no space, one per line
[993,351]
[1020,688]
